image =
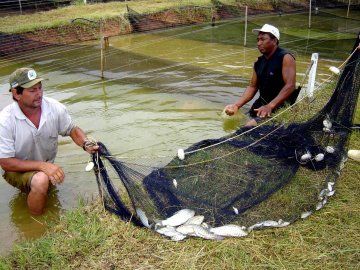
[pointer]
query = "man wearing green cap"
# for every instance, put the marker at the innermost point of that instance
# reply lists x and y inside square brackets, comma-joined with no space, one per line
[29,129]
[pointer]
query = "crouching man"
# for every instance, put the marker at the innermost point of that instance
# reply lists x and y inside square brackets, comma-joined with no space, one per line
[29,129]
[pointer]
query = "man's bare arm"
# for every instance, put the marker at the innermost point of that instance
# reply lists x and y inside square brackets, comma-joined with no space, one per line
[55,173]
[79,137]
[248,94]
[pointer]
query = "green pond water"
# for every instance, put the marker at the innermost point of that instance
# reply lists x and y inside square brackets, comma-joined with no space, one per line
[162,91]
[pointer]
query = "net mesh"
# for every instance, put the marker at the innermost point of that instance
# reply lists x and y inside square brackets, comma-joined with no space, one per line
[277,172]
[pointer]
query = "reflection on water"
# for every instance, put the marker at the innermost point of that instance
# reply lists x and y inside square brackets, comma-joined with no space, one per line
[162,91]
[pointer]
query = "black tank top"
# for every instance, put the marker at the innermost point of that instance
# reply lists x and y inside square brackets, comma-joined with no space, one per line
[269,77]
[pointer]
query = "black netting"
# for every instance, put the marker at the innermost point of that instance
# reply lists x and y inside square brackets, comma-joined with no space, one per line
[271,172]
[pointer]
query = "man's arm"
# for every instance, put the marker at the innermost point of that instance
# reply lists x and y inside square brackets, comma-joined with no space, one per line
[249,93]
[289,77]
[79,137]
[55,173]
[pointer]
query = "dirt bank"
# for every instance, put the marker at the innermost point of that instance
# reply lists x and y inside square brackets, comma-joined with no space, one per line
[131,22]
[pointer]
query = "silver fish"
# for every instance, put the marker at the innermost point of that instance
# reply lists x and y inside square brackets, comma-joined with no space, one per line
[196,220]
[229,230]
[269,223]
[175,183]
[178,237]
[331,193]
[168,231]
[319,205]
[282,223]
[198,231]
[143,218]
[180,217]
[187,229]
[205,225]
[330,187]
[305,214]
[236,211]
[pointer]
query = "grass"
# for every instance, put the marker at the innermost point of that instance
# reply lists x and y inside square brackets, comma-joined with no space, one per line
[89,237]
[62,16]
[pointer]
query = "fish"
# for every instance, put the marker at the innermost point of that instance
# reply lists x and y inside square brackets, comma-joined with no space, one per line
[198,231]
[175,183]
[196,220]
[205,225]
[329,187]
[167,231]
[178,237]
[229,230]
[269,223]
[322,194]
[330,193]
[236,211]
[180,217]
[305,214]
[143,218]
[319,205]
[187,229]
[282,223]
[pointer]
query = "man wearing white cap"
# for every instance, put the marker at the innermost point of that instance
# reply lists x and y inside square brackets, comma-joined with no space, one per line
[274,76]
[29,129]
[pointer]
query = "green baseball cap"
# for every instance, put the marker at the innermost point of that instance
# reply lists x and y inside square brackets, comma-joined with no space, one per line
[24,77]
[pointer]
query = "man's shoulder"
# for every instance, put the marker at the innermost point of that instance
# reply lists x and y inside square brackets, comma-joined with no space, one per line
[52,104]
[283,52]
[7,114]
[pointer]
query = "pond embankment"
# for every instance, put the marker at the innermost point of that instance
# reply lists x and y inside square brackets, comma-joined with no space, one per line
[131,18]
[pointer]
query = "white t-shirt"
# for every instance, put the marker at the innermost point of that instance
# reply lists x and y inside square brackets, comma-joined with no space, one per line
[19,137]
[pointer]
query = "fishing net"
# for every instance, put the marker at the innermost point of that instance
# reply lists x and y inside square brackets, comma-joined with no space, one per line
[265,176]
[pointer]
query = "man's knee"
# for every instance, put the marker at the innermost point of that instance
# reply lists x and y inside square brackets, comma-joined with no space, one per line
[40,183]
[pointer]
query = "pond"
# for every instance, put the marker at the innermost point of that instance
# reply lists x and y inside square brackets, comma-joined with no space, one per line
[161,91]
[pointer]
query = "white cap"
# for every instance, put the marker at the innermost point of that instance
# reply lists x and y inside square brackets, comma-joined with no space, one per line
[267,28]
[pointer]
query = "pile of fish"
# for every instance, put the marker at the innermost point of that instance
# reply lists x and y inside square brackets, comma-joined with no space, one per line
[185,223]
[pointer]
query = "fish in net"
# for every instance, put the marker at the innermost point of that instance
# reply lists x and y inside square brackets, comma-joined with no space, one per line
[266,176]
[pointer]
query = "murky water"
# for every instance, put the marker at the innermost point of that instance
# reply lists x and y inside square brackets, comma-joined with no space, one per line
[162,90]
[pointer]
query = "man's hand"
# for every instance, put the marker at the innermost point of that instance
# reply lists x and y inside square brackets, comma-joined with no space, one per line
[55,173]
[90,147]
[263,111]
[231,109]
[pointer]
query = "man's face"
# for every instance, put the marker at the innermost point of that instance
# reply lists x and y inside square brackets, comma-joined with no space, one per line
[265,44]
[31,97]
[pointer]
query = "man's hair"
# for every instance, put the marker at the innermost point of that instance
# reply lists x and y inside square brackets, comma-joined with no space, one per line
[19,91]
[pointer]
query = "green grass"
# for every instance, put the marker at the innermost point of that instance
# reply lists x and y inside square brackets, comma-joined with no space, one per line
[88,237]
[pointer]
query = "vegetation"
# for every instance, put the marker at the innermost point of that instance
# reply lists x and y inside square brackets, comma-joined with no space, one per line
[63,16]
